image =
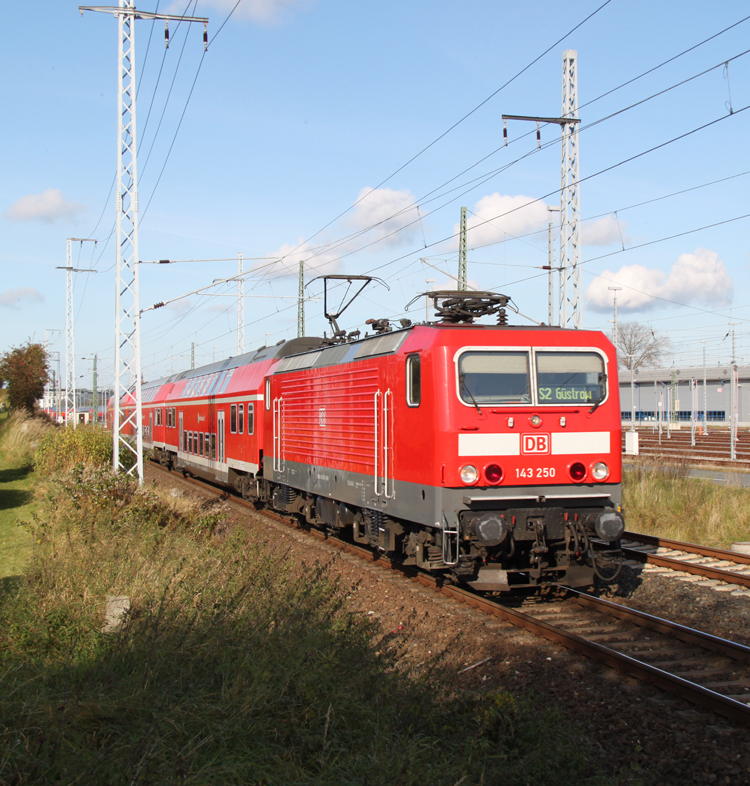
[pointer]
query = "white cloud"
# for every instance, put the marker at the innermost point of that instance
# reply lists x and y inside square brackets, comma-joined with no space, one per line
[391,214]
[318,262]
[604,231]
[700,277]
[12,298]
[496,216]
[49,206]
[261,11]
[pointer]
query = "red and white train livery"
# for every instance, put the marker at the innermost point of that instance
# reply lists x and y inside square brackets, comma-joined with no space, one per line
[490,454]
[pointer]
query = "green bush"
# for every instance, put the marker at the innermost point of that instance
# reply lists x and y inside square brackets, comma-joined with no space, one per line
[234,665]
[61,449]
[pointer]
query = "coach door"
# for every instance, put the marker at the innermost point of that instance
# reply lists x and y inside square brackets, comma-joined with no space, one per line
[384,444]
[220,436]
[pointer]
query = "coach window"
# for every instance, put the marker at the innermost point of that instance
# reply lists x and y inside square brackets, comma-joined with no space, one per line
[233,419]
[250,417]
[200,444]
[213,446]
[206,444]
[185,441]
[268,393]
[190,441]
[413,380]
[494,378]
[570,377]
[241,421]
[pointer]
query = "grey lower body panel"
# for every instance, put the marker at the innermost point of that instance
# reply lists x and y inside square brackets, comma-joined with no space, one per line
[433,506]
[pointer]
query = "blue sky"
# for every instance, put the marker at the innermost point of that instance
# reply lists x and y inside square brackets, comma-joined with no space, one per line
[301,108]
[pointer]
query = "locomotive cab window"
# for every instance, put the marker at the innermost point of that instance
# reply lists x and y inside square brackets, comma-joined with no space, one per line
[413,380]
[570,377]
[494,378]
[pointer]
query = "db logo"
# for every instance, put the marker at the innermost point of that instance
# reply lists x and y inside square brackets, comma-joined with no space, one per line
[535,443]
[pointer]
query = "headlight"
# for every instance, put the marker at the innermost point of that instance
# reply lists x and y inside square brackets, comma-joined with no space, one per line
[469,474]
[600,470]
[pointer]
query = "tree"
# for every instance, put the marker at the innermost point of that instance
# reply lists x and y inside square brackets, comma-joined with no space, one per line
[638,346]
[23,371]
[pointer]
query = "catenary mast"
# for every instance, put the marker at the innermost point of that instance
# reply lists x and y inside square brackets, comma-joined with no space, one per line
[127,429]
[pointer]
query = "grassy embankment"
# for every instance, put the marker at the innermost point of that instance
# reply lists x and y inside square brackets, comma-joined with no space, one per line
[233,665]
[16,494]
[669,503]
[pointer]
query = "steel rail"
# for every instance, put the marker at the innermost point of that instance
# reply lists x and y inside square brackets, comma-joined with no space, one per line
[675,563]
[678,564]
[643,671]
[693,548]
[646,672]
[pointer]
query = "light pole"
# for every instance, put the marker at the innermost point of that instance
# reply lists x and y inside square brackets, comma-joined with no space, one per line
[615,290]
[705,414]
[632,391]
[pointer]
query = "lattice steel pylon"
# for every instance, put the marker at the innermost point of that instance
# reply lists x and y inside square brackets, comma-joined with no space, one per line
[127,423]
[70,355]
[301,300]
[462,275]
[240,306]
[570,209]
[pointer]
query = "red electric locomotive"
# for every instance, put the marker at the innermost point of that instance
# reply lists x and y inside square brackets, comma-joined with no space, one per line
[487,453]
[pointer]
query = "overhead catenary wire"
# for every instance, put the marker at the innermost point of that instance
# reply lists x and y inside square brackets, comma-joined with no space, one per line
[420,202]
[459,121]
[433,244]
[484,178]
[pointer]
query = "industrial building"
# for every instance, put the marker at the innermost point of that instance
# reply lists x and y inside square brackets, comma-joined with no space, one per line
[679,395]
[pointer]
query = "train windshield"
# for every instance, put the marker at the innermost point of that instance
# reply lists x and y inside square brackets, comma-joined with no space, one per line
[494,378]
[570,378]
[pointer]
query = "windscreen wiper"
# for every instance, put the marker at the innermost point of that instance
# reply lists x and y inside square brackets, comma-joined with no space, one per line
[464,386]
[603,383]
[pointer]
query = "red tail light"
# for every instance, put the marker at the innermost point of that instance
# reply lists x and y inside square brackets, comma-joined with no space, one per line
[493,473]
[577,471]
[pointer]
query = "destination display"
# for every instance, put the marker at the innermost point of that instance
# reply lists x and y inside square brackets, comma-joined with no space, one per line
[568,394]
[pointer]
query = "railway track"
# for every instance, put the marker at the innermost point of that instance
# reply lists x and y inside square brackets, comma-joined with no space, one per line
[709,564]
[706,670]
[712,449]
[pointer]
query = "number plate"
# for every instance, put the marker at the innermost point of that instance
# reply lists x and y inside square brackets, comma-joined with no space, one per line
[538,473]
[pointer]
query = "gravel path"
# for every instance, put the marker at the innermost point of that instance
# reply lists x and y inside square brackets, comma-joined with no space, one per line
[644,735]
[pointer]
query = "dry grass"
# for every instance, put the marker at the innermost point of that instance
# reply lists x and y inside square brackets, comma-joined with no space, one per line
[669,503]
[233,666]
[22,435]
